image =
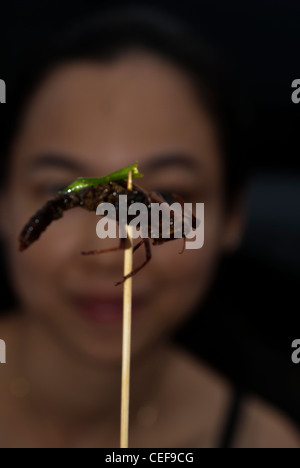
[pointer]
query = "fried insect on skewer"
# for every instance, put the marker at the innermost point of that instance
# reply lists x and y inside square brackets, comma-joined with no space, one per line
[88,194]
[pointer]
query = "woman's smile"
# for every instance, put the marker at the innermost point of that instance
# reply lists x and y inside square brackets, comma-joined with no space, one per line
[103,309]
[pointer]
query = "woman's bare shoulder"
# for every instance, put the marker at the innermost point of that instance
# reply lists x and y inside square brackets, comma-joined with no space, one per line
[262,426]
[200,398]
[210,395]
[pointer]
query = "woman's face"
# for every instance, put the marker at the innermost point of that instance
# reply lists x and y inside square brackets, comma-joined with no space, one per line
[90,119]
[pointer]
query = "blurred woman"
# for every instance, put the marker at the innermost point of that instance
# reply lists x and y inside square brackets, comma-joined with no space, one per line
[119,88]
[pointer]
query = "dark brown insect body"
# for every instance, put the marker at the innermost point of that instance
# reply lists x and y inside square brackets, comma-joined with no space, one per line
[89,198]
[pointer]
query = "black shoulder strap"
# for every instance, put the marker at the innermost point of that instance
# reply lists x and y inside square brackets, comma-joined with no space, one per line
[232,420]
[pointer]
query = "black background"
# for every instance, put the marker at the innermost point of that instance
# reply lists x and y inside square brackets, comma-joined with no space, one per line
[249,322]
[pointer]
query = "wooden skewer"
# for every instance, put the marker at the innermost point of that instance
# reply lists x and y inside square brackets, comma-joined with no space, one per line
[126,345]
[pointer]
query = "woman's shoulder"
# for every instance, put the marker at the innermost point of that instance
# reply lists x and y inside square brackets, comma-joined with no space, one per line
[200,397]
[212,400]
[262,426]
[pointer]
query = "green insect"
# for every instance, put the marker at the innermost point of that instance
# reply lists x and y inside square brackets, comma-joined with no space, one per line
[84,182]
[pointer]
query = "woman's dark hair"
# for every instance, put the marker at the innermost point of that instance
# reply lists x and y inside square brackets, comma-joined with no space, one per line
[109,34]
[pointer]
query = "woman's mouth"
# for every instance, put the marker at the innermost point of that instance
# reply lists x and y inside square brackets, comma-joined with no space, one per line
[101,309]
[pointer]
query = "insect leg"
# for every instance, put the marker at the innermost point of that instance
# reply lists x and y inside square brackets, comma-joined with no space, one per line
[146,242]
[136,247]
[121,246]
